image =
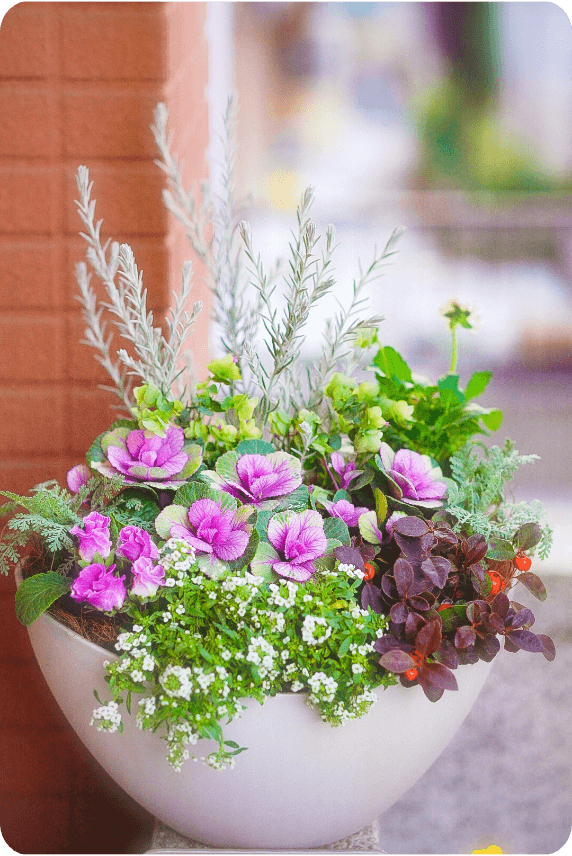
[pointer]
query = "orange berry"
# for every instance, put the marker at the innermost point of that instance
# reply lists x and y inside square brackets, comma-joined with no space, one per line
[411,674]
[496,580]
[369,572]
[523,563]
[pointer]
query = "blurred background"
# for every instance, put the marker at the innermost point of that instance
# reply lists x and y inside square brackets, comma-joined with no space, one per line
[454,120]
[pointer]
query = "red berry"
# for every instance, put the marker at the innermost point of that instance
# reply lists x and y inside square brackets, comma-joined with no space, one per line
[369,572]
[411,674]
[496,580]
[523,563]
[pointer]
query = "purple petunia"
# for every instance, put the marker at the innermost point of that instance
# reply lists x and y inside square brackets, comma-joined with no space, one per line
[135,543]
[343,509]
[147,577]
[98,586]
[214,531]
[255,479]
[77,477]
[93,537]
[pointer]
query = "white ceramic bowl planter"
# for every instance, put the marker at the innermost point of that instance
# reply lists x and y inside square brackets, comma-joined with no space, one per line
[302,783]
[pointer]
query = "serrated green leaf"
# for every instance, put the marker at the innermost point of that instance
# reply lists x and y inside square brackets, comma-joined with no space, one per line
[392,364]
[254,447]
[37,593]
[336,528]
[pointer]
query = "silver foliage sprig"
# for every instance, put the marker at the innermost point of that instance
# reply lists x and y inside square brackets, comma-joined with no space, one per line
[211,221]
[306,284]
[341,330]
[157,358]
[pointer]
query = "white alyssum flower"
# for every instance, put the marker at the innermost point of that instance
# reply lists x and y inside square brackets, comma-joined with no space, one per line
[312,632]
[107,717]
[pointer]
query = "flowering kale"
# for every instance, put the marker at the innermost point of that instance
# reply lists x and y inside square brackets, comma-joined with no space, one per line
[256,478]
[98,586]
[142,456]
[413,477]
[93,537]
[221,533]
[296,541]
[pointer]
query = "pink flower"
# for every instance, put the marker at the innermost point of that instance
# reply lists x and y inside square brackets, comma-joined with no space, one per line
[147,577]
[97,586]
[77,477]
[134,543]
[213,531]
[94,537]
[347,512]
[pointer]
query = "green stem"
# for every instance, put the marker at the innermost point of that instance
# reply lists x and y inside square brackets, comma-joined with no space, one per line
[454,350]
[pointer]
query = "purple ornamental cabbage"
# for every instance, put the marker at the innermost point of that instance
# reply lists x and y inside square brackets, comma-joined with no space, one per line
[93,537]
[414,475]
[343,509]
[98,586]
[135,543]
[147,577]
[297,540]
[142,456]
[212,530]
[256,479]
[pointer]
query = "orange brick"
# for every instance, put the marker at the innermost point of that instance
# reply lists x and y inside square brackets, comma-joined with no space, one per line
[113,41]
[24,45]
[101,124]
[30,274]
[151,255]
[81,362]
[32,422]
[20,476]
[32,348]
[30,200]
[90,414]
[28,121]
[129,200]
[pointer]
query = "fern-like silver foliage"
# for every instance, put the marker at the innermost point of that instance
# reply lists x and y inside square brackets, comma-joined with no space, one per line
[156,358]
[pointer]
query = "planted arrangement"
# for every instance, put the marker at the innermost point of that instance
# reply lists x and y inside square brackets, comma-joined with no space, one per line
[327,529]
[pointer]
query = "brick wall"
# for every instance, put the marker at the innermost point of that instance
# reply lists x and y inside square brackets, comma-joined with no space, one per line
[78,83]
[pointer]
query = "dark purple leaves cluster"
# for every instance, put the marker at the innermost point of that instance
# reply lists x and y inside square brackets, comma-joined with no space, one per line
[446,602]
